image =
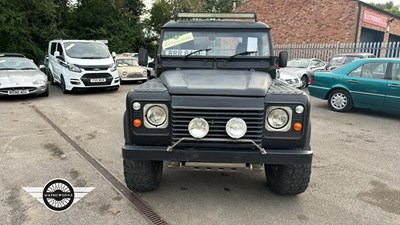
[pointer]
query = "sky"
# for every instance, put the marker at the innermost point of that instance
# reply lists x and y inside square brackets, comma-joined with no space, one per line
[396,2]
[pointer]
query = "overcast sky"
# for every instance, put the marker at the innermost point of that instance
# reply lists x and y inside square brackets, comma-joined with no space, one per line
[396,2]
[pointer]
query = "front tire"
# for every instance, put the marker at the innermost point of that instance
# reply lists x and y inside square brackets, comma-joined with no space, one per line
[304,81]
[62,85]
[340,101]
[142,175]
[46,93]
[288,179]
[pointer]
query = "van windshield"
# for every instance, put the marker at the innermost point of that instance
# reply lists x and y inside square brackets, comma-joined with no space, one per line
[86,50]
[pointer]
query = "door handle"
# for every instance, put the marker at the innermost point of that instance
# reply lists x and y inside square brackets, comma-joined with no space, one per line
[353,81]
[394,85]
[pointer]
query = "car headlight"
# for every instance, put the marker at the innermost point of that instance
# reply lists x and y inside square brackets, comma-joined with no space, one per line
[74,68]
[144,72]
[39,82]
[113,67]
[156,115]
[278,118]
[236,128]
[198,127]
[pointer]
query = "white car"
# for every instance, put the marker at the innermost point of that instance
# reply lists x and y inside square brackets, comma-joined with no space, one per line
[21,76]
[82,64]
[289,78]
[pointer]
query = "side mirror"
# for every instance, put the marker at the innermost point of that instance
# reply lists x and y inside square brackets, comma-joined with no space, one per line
[312,67]
[283,59]
[42,67]
[113,54]
[143,57]
[56,54]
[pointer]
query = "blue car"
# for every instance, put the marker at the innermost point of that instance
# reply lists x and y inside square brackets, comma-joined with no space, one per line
[365,83]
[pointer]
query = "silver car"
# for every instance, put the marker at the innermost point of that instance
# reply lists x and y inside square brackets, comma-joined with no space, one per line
[304,68]
[289,78]
[21,76]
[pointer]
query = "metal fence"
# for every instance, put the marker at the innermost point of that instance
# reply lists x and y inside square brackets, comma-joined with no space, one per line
[325,51]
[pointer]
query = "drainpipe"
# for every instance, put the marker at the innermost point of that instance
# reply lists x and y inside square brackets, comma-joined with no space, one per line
[358,25]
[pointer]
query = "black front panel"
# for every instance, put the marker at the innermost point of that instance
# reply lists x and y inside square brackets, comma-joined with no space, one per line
[87,79]
[217,117]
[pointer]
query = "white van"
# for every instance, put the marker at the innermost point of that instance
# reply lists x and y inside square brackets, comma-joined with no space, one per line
[82,64]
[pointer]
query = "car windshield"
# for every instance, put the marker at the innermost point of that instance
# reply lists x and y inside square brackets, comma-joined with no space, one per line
[298,63]
[221,43]
[127,62]
[86,50]
[17,64]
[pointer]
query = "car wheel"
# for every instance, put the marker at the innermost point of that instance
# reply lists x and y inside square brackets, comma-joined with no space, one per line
[288,179]
[46,93]
[142,175]
[340,101]
[63,88]
[304,81]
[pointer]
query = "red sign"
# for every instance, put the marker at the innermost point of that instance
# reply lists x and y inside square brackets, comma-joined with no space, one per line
[374,18]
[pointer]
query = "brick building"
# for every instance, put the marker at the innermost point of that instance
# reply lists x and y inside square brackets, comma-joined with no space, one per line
[324,21]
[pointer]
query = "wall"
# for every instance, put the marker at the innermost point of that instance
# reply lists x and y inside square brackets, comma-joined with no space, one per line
[307,21]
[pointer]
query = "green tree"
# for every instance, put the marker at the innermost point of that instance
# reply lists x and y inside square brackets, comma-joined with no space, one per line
[388,6]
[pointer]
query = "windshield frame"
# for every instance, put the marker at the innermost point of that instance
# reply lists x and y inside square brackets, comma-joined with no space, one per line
[239,30]
[66,44]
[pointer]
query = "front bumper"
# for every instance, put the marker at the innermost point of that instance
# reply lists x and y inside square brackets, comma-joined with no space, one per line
[273,156]
[31,89]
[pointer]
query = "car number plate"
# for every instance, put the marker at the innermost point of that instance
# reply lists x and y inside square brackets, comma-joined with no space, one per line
[98,80]
[18,92]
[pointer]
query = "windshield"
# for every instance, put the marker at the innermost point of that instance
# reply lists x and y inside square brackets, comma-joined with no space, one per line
[127,62]
[221,43]
[86,50]
[17,64]
[298,63]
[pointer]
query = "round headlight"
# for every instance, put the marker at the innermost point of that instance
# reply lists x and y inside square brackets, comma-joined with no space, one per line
[299,109]
[236,128]
[125,72]
[156,115]
[278,118]
[136,105]
[198,128]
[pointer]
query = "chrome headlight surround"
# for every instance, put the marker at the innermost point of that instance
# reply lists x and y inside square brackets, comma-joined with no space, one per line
[236,128]
[198,128]
[164,111]
[285,111]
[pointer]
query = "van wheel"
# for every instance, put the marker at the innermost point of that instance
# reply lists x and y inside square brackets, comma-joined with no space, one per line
[63,89]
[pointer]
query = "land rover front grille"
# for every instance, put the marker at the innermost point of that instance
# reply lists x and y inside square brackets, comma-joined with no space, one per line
[86,79]
[217,120]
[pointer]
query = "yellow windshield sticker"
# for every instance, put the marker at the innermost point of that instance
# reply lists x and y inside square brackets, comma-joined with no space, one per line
[177,40]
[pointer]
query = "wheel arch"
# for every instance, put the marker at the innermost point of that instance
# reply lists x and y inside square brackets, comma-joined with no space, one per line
[337,88]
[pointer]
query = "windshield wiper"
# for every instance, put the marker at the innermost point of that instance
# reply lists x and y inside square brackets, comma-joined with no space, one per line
[7,68]
[242,53]
[92,58]
[200,50]
[28,68]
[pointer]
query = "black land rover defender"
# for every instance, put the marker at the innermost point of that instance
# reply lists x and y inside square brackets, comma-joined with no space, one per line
[215,99]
